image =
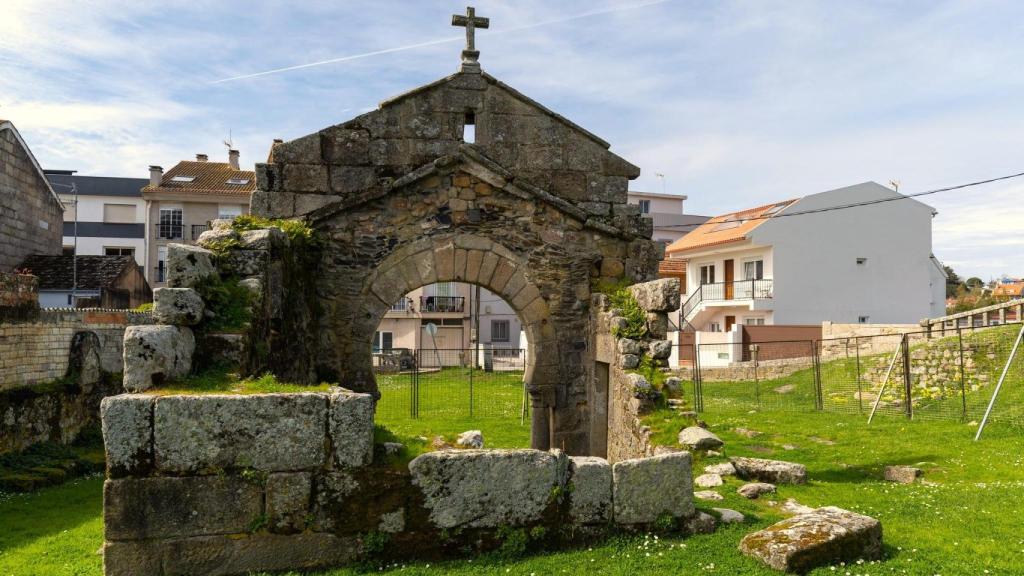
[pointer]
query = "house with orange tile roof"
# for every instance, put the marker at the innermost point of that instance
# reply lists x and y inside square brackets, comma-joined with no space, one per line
[181,203]
[1009,290]
[805,261]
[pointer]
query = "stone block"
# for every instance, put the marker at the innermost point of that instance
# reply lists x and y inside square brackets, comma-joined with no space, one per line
[825,536]
[774,471]
[902,474]
[247,262]
[188,266]
[263,239]
[628,346]
[154,354]
[657,325]
[142,508]
[127,422]
[306,178]
[271,432]
[658,295]
[132,558]
[590,490]
[346,146]
[485,488]
[305,150]
[647,488]
[268,177]
[754,490]
[351,429]
[288,498]
[216,236]
[306,203]
[660,349]
[697,438]
[273,204]
[177,306]
[352,179]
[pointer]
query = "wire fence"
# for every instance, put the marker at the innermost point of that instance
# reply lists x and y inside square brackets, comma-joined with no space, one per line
[916,375]
[451,384]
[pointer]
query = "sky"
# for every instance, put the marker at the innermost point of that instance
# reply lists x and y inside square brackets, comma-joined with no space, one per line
[736,103]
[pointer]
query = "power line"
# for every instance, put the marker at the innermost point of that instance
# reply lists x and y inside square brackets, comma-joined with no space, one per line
[864,203]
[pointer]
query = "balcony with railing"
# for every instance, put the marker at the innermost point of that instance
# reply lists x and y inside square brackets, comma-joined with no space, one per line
[442,304]
[739,291]
[169,231]
[198,229]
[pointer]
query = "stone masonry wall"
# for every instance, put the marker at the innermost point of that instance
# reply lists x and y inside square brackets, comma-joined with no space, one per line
[35,350]
[18,291]
[25,202]
[219,484]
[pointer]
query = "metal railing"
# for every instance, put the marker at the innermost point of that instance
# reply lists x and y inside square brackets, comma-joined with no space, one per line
[725,291]
[198,229]
[442,303]
[169,231]
[1011,311]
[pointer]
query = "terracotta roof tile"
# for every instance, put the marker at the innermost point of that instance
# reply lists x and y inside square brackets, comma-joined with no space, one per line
[732,227]
[207,178]
[1015,289]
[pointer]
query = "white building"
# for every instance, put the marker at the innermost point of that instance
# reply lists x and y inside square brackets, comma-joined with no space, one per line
[666,210]
[110,214]
[868,264]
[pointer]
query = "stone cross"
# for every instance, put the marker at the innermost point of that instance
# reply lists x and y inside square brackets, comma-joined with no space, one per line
[471,22]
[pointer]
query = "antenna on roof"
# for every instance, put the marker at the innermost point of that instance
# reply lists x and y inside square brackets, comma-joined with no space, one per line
[662,178]
[230,142]
[895,185]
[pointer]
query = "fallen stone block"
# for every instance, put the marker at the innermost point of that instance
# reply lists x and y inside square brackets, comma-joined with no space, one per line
[590,490]
[774,471]
[902,474]
[701,523]
[708,495]
[177,306]
[697,438]
[755,489]
[646,488]
[728,516]
[723,469]
[127,422]
[486,488]
[155,354]
[270,432]
[708,480]
[825,536]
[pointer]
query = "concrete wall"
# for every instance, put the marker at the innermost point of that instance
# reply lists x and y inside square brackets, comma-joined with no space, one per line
[815,266]
[30,216]
[36,350]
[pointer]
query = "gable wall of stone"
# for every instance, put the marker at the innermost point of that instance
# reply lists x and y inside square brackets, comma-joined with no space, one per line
[30,217]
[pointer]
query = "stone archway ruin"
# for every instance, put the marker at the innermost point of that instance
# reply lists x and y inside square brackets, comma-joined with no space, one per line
[534,210]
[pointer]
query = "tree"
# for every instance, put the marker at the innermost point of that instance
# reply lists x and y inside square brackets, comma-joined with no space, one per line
[953,282]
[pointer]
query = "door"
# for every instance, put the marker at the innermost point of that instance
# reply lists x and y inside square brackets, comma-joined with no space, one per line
[729,269]
[729,322]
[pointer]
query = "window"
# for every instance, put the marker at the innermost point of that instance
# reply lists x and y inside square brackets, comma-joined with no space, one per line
[863,319]
[401,306]
[714,327]
[169,227]
[238,181]
[68,250]
[229,211]
[441,289]
[753,270]
[161,263]
[382,341]
[753,321]
[728,224]
[119,213]
[645,206]
[862,261]
[707,274]
[118,251]
[469,128]
[183,178]
[499,330]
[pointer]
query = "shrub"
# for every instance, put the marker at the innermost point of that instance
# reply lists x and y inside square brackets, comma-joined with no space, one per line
[147,307]
[228,300]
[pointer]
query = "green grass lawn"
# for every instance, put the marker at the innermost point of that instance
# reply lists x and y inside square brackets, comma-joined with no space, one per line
[965,521]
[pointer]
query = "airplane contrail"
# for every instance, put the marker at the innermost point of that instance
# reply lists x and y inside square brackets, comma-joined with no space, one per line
[440,41]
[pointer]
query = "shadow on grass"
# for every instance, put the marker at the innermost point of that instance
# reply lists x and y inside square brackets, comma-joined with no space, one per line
[870,471]
[29,517]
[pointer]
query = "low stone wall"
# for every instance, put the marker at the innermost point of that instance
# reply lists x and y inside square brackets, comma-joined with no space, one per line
[218,484]
[35,350]
[831,330]
[18,291]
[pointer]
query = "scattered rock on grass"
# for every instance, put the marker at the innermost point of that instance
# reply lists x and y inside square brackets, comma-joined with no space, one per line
[785,389]
[471,439]
[775,471]
[793,507]
[728,516]
[701,523]
[439,443]
[902,474]
[698,438]
[747,433]
[708,495]
[723,469]
[708,480]
[755,489]
[393,448]
[824,536]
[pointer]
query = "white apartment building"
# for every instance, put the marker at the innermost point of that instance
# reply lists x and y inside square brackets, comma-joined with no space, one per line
[107,219]
[666,210]
[867,264]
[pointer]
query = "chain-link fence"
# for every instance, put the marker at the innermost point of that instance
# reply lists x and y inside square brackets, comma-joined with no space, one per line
[451,384]
[947,377]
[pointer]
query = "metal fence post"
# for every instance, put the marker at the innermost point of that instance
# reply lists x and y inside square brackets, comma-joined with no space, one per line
[963,376]
[860,391]
[754,349]
[907,381]
[698,388]
[818,400]
[471,364]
